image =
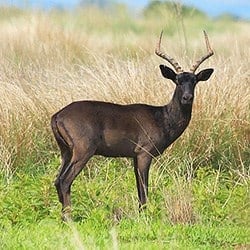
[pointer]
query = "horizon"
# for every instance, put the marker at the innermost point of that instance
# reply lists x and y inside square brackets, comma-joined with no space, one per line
[213,8]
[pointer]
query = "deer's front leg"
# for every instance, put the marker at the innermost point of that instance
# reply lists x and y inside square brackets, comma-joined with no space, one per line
[141,167]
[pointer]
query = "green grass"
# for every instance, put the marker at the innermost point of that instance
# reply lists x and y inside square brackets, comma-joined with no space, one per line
[143,233]
[213,212]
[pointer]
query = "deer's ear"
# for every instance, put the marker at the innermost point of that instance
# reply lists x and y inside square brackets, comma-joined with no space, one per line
[168,73]
[204,74]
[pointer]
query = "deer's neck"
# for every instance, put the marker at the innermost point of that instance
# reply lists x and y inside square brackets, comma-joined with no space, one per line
[176,118]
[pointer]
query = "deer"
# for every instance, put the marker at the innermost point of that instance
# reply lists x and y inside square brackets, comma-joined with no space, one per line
[86,128]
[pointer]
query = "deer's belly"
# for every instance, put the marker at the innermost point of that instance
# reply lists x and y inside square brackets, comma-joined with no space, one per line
[116,144]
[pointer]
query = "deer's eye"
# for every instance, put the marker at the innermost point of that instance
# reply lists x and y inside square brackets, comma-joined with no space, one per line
[179,82]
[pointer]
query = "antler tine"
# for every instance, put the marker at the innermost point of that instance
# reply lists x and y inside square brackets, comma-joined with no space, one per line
[171,60]
[210,53]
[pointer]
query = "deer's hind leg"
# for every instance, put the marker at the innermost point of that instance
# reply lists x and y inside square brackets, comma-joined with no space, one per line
[66,156]
[80,156]
[66,152]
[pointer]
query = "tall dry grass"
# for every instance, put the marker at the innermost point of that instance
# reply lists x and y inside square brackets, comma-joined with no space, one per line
[51,59]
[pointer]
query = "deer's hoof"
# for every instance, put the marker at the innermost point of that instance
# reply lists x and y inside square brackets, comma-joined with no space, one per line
[66,214]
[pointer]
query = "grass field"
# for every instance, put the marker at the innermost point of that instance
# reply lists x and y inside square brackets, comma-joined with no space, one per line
[199,188]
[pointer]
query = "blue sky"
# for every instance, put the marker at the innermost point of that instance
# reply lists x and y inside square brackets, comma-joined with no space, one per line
[240,8]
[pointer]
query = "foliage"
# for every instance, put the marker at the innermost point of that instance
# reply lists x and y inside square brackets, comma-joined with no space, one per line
[162,8]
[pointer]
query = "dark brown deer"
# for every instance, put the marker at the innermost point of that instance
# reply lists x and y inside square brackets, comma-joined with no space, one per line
[86,128]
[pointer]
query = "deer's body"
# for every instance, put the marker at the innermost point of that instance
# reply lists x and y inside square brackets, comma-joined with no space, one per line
[86,128]
[121,130]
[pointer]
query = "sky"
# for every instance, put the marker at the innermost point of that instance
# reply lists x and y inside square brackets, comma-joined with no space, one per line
[239,8]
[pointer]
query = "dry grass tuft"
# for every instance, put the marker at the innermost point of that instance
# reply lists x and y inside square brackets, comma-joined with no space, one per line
[179,204]
[49,60]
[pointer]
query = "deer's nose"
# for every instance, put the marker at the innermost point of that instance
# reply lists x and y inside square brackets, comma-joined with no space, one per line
[187,97]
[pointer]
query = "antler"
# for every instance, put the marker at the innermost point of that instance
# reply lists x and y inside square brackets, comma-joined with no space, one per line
[171,60]
[210,53]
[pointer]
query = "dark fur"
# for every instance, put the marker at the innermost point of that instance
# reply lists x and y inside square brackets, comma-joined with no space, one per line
[86,128]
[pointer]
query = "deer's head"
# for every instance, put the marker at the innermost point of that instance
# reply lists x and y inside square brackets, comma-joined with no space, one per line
[185,81]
